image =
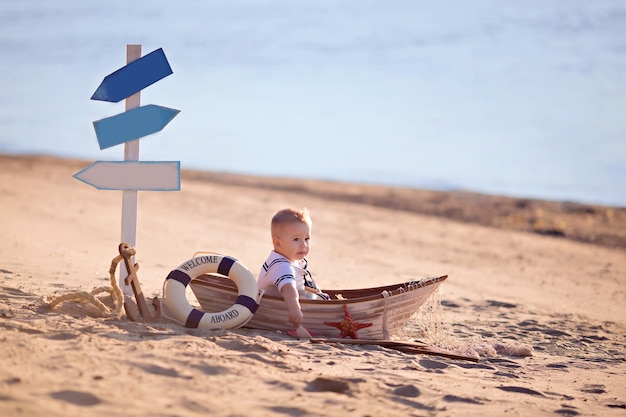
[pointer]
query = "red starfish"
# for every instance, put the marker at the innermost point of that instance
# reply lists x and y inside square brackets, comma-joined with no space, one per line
[348,326]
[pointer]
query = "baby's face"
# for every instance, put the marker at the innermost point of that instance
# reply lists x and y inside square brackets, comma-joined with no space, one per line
[293,241]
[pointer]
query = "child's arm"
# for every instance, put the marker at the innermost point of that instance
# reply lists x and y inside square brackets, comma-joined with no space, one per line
[290,295]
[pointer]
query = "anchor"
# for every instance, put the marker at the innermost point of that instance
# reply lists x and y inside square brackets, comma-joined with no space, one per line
[126,252]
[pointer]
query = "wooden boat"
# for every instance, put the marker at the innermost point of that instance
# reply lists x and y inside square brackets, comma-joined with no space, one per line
[388,308]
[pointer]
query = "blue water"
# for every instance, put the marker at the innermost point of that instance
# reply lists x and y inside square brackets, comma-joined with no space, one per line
[522,98]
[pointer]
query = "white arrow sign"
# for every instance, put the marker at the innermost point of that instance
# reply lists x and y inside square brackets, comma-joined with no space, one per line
[132,175]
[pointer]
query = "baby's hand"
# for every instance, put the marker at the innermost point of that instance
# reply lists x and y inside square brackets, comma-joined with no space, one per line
[290,295]
[295,317]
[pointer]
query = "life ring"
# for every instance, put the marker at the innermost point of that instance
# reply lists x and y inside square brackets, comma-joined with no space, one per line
[235,316]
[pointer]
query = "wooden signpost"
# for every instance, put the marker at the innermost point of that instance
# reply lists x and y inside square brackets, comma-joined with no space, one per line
[132,124]
[139,73]
[132,175]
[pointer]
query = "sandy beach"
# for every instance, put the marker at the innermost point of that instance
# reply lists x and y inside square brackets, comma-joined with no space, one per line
[547,276]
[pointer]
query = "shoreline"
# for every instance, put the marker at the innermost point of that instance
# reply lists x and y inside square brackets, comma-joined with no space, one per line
[587,223]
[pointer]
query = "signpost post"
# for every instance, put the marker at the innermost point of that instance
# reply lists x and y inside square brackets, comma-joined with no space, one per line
[130,197]
[132,175]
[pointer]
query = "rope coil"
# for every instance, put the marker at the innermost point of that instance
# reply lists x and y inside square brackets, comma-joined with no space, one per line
[94,306]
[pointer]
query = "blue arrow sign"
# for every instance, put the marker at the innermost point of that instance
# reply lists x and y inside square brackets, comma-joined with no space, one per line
[132,175]
[133,77]
[132,124]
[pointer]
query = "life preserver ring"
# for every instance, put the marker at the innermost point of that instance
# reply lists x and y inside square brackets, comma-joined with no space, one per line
[237,315]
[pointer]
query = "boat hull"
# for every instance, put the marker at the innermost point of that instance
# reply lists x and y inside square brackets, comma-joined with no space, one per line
[388,308]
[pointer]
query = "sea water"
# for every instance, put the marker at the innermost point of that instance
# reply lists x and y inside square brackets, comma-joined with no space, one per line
[522,98]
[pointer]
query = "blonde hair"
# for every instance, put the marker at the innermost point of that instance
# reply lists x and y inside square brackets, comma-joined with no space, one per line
[288,216]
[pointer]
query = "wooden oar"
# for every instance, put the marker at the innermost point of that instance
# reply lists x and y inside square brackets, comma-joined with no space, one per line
[407,347]
[378,342]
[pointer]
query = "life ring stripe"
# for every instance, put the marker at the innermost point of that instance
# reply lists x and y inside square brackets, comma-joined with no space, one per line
[179,276]
[193,320]
[248,303]
[225,265]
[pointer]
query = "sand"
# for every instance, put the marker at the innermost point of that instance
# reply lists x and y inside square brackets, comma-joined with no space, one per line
[547,276]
